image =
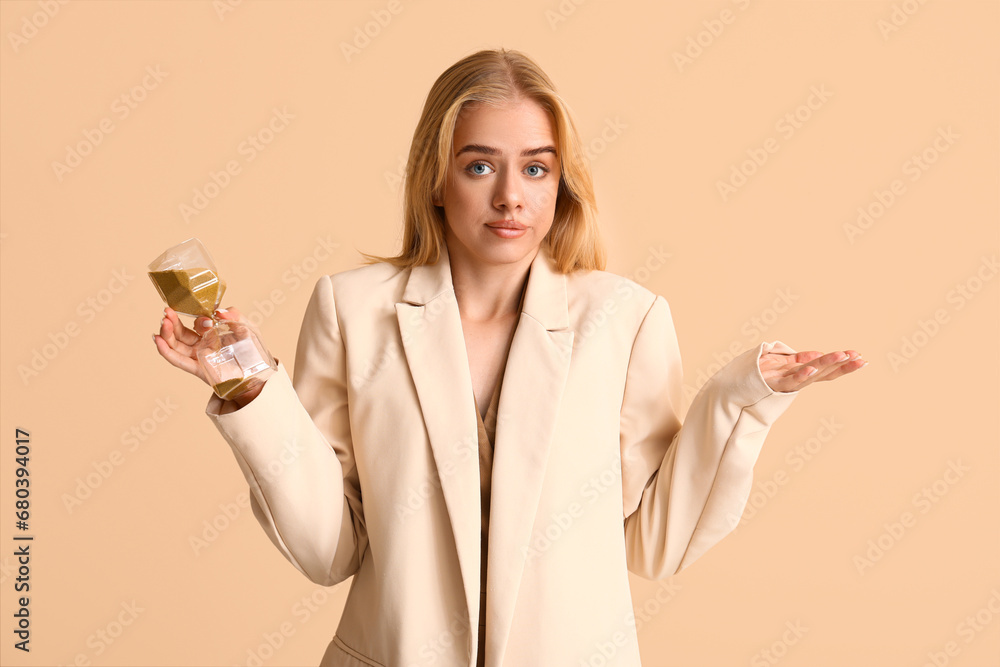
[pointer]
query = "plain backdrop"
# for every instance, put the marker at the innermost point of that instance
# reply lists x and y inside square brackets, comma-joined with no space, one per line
[822,173]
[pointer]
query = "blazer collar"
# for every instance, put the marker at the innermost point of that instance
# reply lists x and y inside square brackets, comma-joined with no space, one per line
[538,363]
[544,298]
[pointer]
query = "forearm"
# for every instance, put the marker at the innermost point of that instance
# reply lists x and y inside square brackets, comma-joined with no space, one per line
[699,491]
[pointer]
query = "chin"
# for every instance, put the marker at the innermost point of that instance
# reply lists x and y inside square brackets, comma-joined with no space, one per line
[509,251]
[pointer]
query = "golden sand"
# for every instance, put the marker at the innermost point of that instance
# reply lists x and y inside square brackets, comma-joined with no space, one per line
[196,292]
[228,389]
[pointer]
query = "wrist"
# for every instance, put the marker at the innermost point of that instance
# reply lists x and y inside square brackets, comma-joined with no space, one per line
[248,396]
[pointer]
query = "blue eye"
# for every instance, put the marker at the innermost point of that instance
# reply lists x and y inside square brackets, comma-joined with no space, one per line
[473,169]
[473,166]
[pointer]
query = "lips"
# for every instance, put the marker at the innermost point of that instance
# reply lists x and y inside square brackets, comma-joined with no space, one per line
[505,224]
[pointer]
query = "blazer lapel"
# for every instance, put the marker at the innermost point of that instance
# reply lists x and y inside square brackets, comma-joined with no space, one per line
[537,367]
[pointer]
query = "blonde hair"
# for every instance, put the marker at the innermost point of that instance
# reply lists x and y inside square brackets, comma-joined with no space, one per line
[495,77]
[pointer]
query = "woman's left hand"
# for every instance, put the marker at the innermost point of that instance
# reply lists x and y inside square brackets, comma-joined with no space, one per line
[791,372]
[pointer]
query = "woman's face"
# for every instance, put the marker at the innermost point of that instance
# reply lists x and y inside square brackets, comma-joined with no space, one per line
[504,173]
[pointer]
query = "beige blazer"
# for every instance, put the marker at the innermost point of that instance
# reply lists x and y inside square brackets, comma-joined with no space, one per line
[365,463]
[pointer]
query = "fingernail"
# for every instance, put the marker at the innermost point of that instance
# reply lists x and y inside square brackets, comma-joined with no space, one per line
[205,324]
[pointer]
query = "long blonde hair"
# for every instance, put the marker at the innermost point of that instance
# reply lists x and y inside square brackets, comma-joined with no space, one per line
[495,77]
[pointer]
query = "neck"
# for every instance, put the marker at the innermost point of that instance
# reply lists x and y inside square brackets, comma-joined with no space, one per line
[487,292]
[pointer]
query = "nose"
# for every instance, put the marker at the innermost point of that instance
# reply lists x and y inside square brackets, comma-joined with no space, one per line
[509,192]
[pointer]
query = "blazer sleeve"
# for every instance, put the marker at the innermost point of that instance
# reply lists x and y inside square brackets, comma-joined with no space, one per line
[685,486]
[293,444]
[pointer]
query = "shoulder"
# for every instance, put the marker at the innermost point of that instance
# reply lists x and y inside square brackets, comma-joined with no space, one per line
[361,287]
[609,292]
[367,276]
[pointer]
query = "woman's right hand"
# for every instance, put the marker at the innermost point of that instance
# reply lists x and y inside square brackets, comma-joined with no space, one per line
[176,342]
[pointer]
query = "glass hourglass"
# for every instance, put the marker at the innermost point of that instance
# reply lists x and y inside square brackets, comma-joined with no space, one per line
[231,353]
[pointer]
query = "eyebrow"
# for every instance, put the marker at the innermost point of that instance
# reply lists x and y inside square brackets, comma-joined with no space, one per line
[490,150]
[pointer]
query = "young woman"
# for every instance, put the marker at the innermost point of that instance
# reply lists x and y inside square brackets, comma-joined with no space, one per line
[484,430]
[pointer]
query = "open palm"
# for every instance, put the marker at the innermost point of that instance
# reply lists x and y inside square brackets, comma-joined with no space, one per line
[791,372]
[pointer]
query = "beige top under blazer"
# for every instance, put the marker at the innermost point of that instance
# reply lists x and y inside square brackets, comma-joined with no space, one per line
[366,463]
[487,433]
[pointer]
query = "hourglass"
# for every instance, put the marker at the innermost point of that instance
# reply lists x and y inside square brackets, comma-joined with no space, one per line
[231,353]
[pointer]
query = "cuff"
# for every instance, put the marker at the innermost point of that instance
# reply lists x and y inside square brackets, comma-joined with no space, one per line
[219,410]
[745,384]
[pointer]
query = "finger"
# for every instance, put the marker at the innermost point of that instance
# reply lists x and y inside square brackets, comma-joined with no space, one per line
[842,369]
[179,331]
[231,313]
[780,361]
[823,362]
[806,357]
[792,379]
[203,324]
[169,334]
[176,359]
[788,364]
[822,368]
[840,364]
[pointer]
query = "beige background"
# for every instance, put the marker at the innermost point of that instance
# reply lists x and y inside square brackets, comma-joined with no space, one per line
[662,135]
